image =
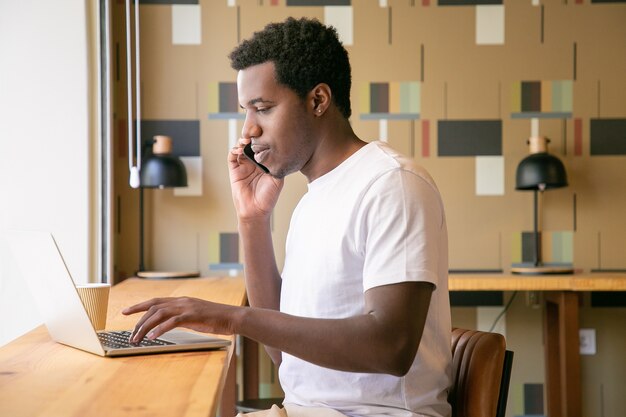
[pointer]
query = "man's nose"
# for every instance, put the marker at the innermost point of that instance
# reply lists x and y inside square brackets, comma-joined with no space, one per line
[251,129]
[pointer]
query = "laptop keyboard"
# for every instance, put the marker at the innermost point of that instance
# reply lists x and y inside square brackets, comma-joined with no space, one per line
[120,339]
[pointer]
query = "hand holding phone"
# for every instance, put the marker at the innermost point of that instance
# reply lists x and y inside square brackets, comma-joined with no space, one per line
[247,150]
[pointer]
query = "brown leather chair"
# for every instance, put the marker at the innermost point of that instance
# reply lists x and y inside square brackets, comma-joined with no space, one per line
[481,371]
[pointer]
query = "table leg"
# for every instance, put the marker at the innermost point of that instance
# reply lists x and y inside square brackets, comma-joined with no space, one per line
[250,369]
[250,382]
[229,394]
[562,357]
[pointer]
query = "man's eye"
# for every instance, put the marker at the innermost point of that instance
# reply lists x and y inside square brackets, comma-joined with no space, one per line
[263,109]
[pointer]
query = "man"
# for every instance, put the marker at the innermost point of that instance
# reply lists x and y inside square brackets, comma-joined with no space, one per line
[359,319]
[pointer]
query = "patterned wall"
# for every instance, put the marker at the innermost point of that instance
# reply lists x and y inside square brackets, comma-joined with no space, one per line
[458,84]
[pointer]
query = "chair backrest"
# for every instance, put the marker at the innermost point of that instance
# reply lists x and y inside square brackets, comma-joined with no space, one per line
[481,370]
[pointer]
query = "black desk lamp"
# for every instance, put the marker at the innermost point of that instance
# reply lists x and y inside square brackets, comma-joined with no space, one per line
[539,171]
[160,170]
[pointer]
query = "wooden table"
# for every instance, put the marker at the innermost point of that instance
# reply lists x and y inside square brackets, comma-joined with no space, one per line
[502,282]
[39,377]
[561,325]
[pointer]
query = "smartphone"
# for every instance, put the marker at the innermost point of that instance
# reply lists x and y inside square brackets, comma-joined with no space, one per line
[247,150]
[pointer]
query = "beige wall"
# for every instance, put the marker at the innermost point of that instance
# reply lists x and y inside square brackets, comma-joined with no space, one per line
[459,80]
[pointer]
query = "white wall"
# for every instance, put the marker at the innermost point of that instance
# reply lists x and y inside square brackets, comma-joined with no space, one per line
[44,141]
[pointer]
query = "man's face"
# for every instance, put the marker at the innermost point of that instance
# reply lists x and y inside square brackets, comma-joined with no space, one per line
[277,121]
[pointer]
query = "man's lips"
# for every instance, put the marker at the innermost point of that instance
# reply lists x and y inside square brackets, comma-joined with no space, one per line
[260,152]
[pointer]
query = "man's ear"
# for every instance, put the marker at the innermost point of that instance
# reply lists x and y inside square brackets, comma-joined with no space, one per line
[320,98]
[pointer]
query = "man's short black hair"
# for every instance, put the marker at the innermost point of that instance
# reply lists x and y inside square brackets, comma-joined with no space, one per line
[305,53]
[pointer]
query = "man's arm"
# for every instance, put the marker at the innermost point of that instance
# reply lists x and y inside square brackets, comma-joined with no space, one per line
[254,197]
[384,339]
[263,280]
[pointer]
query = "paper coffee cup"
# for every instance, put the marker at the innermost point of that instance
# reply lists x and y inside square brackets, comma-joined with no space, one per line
[95,298]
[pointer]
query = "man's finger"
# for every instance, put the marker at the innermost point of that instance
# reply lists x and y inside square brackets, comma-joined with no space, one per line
[164,327]
[144,325]
[138,332]
[155,322]
[143,306]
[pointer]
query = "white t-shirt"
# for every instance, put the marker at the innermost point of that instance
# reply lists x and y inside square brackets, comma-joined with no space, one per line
[374,220]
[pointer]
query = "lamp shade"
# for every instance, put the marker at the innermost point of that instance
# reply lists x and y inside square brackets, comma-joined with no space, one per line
[162,171]
[540,171]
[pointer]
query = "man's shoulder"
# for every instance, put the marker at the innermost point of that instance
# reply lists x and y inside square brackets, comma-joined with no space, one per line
[384,159]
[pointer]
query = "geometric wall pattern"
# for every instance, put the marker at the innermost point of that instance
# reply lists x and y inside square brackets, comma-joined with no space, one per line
[390,100]
[529,98]
[223,102]
[542,99]
[469,137]
[224,251]
[482,138]
[527,399]
[557,247]
[608,136]
[185,134]
[318,2]
[467,2]
[533,399]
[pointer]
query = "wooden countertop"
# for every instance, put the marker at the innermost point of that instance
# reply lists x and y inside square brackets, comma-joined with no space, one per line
[39,377]
[601,281]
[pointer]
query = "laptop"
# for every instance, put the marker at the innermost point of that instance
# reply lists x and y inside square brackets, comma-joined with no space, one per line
[42,266]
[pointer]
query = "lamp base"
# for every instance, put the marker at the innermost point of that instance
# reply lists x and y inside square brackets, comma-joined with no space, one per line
[542,270]
[167,274]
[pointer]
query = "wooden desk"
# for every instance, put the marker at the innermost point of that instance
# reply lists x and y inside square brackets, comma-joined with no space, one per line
[561,325]
[504,282]
[39,377]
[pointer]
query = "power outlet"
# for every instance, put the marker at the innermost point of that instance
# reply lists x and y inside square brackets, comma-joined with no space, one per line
[587,341]
[533,299]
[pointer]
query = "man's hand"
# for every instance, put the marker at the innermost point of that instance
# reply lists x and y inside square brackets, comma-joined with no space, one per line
[165,314]
[254,193]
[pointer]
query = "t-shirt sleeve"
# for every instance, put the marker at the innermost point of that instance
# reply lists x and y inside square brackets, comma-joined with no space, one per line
[401,229]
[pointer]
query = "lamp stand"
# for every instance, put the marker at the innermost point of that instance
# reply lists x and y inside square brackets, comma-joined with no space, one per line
[142,273]
[538,267]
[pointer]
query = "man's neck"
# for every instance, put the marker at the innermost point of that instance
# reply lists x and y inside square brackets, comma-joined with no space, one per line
[337,142]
